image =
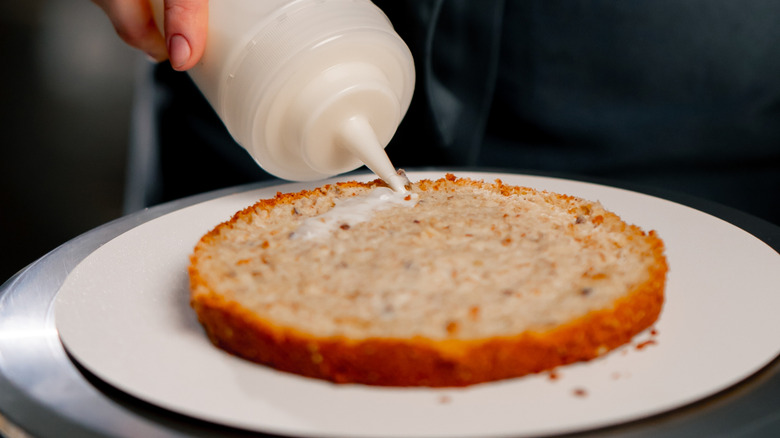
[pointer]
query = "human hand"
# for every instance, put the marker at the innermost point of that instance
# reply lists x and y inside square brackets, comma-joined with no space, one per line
[185,24]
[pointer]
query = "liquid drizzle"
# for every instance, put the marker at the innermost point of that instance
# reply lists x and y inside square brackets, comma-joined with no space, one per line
[351,211]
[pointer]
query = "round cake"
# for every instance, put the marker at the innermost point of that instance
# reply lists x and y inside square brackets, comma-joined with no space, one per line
[454,283]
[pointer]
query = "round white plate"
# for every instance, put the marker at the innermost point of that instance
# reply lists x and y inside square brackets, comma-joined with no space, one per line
[123,314]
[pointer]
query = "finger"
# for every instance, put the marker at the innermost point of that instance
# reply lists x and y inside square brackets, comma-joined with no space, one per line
[186,24]
[134,23]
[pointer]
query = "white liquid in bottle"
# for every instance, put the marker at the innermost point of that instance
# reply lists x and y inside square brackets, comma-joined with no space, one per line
[311,88]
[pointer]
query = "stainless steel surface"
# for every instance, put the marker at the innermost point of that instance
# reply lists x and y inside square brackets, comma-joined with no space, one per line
[41,391]
[44,393]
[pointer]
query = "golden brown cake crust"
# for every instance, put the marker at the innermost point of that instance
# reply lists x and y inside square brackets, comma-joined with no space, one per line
[420,361]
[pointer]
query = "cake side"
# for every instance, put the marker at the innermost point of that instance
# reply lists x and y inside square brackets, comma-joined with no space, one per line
[427,362]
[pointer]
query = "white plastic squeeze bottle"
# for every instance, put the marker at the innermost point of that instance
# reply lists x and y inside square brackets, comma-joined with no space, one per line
[311,88]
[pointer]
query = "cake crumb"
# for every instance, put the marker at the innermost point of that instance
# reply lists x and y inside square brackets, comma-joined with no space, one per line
[452,327]
[580,392]
[647,343]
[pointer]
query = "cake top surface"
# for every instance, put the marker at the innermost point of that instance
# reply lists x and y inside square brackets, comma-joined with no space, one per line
[458,258]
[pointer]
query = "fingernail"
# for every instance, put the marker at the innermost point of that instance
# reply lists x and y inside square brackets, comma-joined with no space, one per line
[179,51]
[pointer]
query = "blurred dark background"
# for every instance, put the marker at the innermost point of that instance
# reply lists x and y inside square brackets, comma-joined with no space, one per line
[66,90]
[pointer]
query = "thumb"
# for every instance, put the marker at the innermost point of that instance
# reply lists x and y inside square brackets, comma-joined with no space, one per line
[186,25]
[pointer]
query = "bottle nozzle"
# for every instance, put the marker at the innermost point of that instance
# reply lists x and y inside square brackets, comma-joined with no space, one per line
[358,137]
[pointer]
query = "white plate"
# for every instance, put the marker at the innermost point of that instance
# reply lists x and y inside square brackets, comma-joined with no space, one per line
[123,314]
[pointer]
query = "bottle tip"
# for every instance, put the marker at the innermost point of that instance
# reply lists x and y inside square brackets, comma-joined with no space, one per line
[359,138]
[397,183]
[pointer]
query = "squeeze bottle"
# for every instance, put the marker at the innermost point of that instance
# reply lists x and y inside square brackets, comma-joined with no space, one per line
[311,88]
